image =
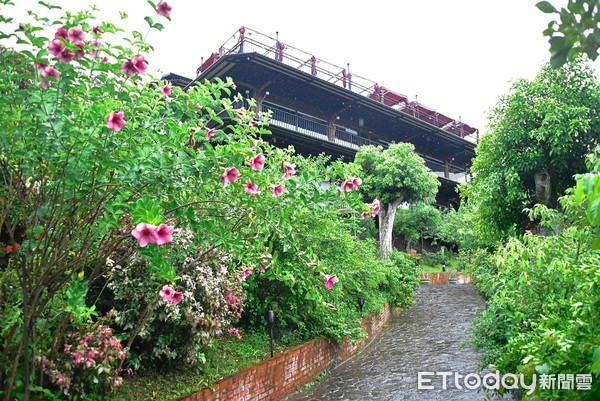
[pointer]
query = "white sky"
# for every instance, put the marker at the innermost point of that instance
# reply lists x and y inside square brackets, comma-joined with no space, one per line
[458,56]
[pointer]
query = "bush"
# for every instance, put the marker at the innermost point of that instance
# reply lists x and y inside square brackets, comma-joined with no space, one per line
[544,297]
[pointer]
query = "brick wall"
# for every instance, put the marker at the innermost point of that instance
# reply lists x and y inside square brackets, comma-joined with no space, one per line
[444,278]
[280,376]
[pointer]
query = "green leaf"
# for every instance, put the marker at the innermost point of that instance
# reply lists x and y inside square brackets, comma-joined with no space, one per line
[546,7]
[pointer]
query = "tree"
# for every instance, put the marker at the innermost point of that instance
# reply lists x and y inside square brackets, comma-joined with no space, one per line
[538,137]
[417,221]
[394,176]
[577,33]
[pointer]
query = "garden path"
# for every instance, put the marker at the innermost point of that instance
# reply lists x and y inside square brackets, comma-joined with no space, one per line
[430,336]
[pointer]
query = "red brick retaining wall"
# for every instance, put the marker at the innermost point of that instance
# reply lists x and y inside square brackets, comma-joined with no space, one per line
[444,278]
[280,376]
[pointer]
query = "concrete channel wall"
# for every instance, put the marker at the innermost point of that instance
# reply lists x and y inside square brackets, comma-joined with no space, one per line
[281,375]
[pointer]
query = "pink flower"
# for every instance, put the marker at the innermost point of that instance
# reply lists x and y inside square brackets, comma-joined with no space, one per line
[251,188]
[289,169]
[365,215]
[278,190]
[81,51]
[166,293]
[210,133]
[375,207]
[230,175]
[234,331]
[244,274]
[115,122]
[49,72]
[177,297]
[139,64]
[56,47]
[40,66]
[257,162]
[163,9]
[95,45]
[76,35]
[61,33]
[97,30]
[166,90]
[164,234]
[128,68]
[104,59]
[145,234]
[330,281]
[356,181]
[347,185]
[66,56]
[117,381]
[264,263]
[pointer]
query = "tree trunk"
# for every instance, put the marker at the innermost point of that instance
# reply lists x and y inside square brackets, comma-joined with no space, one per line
[387,213]
[543,187]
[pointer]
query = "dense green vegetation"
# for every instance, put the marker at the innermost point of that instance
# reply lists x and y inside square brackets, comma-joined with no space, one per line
[539,267]
[142,233]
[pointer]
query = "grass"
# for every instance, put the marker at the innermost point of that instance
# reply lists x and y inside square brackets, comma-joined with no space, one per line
[431,264]
[229,356]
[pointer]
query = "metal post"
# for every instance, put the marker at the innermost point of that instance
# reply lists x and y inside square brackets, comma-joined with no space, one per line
[271,320]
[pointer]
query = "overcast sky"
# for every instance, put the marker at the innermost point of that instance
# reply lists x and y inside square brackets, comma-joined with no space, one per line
[458,56]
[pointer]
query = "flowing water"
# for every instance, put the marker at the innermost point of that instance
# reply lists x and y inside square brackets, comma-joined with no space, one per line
[431,336]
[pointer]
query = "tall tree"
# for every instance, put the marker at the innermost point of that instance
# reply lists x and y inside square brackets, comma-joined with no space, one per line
[394,176]
[538,137]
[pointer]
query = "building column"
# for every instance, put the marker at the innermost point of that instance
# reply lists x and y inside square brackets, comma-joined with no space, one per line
[331,128]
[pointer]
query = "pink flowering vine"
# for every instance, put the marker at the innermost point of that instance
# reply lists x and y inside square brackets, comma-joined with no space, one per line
[115,122]
[289,169]
[139,64]
[76,35]
[61,33]
[66,56]
[136,66]
[244,274]
[257,162]
[49,72]
[145,234]
[95,45]
[375,207]
[97,30]
[330,281]
[210,133]
[150,234]
[251,188]
[230,175]
[164,234]
[166,90]
[56,47]
[278,190]
[351,184]
[163,9]
[168,294]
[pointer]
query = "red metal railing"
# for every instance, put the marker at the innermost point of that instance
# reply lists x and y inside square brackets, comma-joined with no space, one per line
[246,40]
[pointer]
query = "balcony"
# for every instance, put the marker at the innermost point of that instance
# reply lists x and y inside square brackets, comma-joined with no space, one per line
[311,127]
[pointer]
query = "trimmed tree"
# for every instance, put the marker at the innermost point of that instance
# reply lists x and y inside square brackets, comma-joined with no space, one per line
[394,176]
[538,137]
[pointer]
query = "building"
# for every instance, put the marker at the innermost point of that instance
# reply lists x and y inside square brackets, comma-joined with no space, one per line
[319,107]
